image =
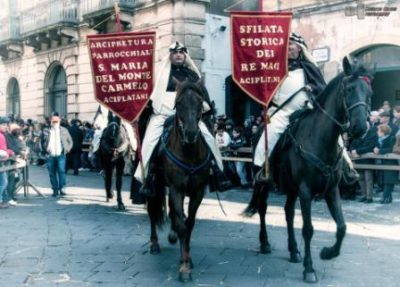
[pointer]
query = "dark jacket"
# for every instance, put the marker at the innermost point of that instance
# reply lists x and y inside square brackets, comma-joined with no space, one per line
[313,76]
[15,144]
[66,140]
[77,138]
[365,145]
[389,176]
[237,143]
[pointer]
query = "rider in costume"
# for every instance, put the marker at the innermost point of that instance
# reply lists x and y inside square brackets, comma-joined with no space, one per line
[176,67]
[304,78]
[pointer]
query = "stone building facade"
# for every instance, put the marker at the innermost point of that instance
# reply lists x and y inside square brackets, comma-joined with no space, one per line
[45,63]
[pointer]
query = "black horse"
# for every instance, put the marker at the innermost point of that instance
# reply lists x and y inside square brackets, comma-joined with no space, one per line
[307,161]
[114,146]
[185,162]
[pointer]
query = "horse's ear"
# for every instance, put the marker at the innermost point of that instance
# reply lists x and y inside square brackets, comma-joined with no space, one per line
[200,82]
[118,120]
[110,116]
[347,66]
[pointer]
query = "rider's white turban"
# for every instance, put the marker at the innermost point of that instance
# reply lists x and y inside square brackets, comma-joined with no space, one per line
[299,40]
[161,82]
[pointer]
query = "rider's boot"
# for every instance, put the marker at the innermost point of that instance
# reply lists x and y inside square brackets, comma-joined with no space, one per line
[147,188]
[136,197]
[350,175]
[218,180]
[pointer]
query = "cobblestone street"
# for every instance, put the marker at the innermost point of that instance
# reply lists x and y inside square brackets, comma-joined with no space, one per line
[81,240]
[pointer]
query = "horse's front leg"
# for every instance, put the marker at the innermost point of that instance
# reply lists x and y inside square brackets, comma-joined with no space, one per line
[335,207]
[185,272]
[108,170]
[265,247]
[289,214]
[120,164]
[178,224]
[305,195]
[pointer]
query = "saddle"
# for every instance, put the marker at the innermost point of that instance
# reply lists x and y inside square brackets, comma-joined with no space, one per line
[168,124]
[294,120]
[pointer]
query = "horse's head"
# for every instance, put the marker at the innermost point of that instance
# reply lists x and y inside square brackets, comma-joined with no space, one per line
[189,107]
[113,131]
[357,94]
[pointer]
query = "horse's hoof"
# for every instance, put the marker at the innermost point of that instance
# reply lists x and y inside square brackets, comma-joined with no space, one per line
[121,206]
[190,263]
[172,237]
[310,277]
[265,248]
[295,257]
[155,249]
[328,253]
[109,195]
[185,276]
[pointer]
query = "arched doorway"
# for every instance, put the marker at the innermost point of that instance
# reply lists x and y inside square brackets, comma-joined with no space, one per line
[386,84]
[13,98]
[56,90]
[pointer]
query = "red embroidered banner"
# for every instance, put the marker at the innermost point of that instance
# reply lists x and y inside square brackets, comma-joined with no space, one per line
[259,52]
[122,69]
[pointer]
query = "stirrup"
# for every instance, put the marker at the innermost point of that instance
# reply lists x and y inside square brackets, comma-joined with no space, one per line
[260,177]
[350,175]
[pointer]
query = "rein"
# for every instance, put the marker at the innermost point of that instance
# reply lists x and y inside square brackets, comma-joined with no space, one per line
[190,169]
[343,126]
[327,170]
[286,102]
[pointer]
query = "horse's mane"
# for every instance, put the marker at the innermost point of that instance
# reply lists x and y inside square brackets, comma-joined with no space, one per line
[331,87]
[359,70]
[187,85]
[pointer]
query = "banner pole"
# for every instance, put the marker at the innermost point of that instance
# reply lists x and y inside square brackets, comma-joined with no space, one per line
[139,147]
[266,142]
[266,163]
[117,17]
[260,5]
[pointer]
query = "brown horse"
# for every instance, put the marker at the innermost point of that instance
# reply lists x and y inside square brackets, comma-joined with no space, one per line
[309,164]
[185,164]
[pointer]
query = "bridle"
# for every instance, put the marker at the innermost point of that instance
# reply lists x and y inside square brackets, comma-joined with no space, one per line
[179,123]
[343,126]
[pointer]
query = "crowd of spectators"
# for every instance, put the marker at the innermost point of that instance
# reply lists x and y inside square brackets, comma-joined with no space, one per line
[26,139]
[230,137]
[383,137]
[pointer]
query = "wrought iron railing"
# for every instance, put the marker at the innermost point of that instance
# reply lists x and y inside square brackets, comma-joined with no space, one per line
[9,29]
[49,13]
[91,6]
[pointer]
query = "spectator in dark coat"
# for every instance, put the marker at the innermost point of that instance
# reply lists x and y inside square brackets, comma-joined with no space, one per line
[389,178]
[385,119]
[361,146]
[77,137]
[18,146]
[237,142]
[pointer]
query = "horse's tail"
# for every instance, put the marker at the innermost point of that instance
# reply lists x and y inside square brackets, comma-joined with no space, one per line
[252,207]
[156,206]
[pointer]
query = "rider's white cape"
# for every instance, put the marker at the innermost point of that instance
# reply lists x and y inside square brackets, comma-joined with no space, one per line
[278,123]
[163,105]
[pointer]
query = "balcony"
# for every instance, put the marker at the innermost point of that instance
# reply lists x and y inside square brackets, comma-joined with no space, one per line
[50,23]
[99,13]
[10,39]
